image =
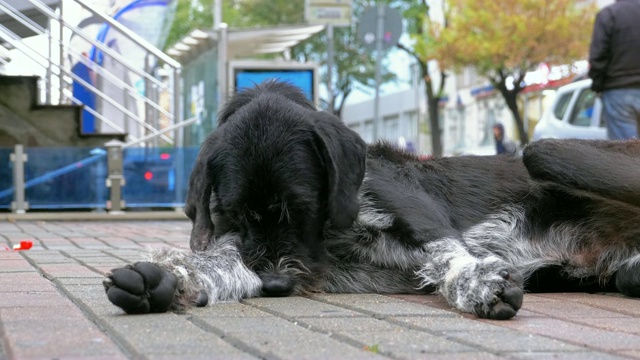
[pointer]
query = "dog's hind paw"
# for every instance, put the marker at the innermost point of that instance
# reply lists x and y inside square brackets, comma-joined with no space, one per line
[141,288]
[489,288]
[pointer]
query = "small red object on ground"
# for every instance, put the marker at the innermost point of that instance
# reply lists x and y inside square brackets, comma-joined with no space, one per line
[24,245]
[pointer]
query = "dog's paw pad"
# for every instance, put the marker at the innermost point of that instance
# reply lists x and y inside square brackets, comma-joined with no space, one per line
[507,296]
[141,288]
[506,304]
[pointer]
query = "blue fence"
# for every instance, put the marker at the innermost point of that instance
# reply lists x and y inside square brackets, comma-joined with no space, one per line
[75,178]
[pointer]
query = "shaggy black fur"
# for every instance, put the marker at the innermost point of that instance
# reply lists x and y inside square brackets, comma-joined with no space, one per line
[287,200]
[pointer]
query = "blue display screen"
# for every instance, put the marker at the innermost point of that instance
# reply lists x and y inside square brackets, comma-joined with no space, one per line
[300,78]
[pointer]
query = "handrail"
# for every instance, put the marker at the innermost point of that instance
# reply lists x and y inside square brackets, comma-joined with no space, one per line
[18,45]
[167,129]
[33,26]
[52,15]
[102,95]
[131,35]
[123,84]
[143,121]
[12,39]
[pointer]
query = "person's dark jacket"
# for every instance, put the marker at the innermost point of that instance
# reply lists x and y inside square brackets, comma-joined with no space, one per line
[614,57]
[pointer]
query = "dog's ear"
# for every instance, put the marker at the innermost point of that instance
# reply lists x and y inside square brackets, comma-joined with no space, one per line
[344,155]
[197,202]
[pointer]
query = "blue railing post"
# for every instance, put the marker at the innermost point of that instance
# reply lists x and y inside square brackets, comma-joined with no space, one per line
[18,157]
[115,176]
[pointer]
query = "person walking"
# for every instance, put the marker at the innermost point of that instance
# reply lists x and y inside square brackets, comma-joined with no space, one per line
[614,67]
[503,144]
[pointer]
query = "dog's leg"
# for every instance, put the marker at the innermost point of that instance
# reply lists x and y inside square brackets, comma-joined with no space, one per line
[177,279]
[608,168]
[628,277]
[488,287]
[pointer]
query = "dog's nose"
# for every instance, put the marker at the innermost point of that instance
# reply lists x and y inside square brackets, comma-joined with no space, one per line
[276,285]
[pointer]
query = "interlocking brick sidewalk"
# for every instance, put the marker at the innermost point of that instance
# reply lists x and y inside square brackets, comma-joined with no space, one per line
[53,306]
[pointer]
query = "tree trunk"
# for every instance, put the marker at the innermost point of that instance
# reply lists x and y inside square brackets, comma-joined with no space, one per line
[338,111]
[432,102]
[434,121]
[510,97]
[432,110]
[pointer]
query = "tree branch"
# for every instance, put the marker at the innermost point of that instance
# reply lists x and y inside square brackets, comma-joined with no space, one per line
[409,51]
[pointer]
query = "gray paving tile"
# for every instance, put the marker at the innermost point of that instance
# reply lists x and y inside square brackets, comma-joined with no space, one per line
[300,307]
[169,334]
[511,341]
[276,337]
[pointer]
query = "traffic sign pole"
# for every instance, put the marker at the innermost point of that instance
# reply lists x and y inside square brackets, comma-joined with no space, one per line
[377,121]
[330,66]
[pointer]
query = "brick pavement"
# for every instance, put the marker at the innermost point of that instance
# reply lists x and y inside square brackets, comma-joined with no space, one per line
[52,306]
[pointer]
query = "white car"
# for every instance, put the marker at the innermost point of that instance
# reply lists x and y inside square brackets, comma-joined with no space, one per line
[576,112]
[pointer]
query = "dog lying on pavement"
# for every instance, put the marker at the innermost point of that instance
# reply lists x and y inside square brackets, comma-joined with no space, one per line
[286,200]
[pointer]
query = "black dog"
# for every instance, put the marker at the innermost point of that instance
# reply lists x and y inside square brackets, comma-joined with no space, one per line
[286,200]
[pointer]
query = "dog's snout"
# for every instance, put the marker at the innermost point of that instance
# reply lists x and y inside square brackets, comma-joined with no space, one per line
[276,285]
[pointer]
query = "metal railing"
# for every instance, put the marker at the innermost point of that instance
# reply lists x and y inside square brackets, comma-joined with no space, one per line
[123,114]
[115,178]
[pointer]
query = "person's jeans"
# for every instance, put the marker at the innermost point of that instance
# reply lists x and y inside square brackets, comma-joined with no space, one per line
[621,113]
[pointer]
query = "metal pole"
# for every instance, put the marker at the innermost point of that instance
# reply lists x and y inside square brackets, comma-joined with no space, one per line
[377,126]
[179,177]
[222,64]
[177,113]
[49,88]
[217,13]
[416,87]
[330,66]
[127,129]
[115,176]
[19,205]
[148,92]
[61,57]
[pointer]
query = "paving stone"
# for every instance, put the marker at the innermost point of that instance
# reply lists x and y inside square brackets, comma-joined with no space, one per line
[611,302]
[17,265]
[47,337]
[276,337]
[443,324]
[31,298]
[156,334]
[510,341]
[300,307]
[74,318]
[577,334]
[228,309]
[565,356]
[565,309]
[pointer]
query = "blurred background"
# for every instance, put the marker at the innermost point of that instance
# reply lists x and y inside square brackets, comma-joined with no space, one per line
[103,103]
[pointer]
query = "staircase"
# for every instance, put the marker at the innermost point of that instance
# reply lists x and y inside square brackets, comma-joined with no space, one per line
[24,120]
[87,94]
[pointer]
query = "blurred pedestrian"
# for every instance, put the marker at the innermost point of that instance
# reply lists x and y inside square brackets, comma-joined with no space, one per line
[614,60]
[503,144]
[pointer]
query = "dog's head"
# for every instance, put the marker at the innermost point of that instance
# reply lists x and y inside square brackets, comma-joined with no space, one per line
[276,171]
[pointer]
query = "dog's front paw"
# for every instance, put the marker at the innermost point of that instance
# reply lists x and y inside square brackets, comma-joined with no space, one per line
[141,288]
[489,288]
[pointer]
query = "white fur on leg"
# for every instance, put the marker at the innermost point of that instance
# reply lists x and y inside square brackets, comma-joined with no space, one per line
[219,270]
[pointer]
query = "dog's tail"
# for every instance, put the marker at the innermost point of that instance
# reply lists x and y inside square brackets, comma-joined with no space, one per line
[608,168]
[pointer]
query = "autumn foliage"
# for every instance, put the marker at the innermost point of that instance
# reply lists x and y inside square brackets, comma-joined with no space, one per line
[504,39]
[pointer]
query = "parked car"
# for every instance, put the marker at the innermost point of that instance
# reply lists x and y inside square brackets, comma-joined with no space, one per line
[575,113]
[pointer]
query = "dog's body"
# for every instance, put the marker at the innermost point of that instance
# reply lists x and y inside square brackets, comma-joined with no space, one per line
[287,200]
